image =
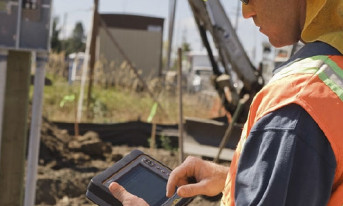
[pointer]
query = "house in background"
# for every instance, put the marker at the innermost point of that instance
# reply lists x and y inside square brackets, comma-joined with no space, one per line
[140,37]
[75,63]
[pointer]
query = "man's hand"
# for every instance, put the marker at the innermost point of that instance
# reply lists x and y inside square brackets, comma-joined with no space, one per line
[126,198]
[210,178]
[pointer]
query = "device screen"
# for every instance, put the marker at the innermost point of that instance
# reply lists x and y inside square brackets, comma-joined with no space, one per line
[144,183]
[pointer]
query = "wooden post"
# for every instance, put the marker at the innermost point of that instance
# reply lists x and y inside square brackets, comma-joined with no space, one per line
[14,130]
[153,137]
[92,52]
[179,81]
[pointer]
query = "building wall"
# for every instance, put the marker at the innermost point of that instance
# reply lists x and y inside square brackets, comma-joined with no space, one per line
[142,47]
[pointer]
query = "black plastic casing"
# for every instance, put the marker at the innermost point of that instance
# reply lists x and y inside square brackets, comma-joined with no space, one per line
[99,193]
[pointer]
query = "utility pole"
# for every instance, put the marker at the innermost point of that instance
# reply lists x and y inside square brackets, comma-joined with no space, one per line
[64,30]
[172,9]
[92,51]
[237,14]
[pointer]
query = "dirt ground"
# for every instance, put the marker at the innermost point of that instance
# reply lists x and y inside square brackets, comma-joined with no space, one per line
[67,164]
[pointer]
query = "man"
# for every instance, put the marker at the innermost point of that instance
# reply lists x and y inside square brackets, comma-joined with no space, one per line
[291,148]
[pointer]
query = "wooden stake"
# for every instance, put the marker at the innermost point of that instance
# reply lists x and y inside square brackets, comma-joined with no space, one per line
[92,53]
[179,83]
[153,137]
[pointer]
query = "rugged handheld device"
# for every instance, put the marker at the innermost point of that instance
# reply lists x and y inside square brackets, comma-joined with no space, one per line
[140,175]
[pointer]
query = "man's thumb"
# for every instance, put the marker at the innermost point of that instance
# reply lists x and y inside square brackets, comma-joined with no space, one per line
[118,191]
[189,190]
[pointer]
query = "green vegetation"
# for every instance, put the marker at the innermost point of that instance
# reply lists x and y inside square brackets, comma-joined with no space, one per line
[166,144]
[114,104]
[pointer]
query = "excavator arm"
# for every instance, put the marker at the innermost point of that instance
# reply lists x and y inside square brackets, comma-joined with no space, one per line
[211,17]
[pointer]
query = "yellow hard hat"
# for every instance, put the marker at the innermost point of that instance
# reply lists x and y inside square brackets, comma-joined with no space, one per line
[324,22]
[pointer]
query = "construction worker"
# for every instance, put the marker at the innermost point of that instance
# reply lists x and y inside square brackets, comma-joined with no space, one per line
[291,148]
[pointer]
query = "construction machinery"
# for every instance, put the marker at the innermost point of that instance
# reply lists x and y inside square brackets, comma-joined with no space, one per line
[211,18]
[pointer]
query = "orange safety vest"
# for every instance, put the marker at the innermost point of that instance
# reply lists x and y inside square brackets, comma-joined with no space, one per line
[316,84]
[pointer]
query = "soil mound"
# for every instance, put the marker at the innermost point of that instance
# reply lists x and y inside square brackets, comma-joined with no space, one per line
[67,164]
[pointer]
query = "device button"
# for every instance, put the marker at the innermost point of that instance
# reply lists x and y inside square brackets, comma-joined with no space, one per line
[147,161]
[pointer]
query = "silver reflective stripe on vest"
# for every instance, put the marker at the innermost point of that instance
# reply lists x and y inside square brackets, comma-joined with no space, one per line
[332,75]
[304,66]
[326,69]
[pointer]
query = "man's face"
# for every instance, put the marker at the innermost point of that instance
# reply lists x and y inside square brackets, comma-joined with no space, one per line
[280,20]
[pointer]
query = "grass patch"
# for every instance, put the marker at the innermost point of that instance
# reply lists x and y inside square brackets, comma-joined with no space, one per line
[117,101]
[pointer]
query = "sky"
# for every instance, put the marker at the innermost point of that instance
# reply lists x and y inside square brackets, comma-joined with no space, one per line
[71,11]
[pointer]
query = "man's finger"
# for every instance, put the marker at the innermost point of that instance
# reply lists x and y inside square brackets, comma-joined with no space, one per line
[176,178]
[191,190]
[180,175]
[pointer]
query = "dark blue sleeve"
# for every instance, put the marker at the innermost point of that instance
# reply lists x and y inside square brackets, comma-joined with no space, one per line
[286,160]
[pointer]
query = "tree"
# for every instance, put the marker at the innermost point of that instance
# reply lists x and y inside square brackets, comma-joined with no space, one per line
[76,43]
[78,33]
[55,42]
[186,47]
